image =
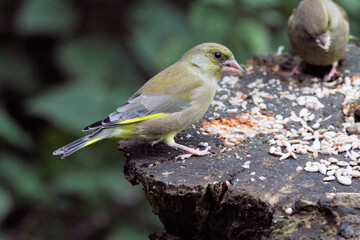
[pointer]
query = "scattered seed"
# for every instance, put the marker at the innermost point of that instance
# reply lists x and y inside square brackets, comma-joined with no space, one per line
[322,169]
[309,139]
[311,168]
[232,110]
[284,156]
[355,174]
[345,180]
[272,150]
[246,164]
[339,172]
[327,179]
[303,112]
[342,163]
[347,171]
[333,167]
[357,168]
[289,211]
[228,184]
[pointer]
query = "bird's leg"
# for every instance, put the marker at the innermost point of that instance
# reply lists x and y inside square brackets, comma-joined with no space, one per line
[152,143]
[332,72]
[296,69]
[191,151]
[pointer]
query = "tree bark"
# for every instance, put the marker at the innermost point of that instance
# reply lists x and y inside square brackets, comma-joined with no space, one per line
[218,197]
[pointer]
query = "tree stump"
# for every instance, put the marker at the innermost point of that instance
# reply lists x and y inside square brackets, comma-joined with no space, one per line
[242,191]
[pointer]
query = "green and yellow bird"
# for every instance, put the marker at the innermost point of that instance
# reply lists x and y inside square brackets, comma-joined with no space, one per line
[318,31]
[168,103]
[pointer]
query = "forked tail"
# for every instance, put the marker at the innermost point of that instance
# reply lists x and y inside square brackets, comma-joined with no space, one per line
[78,144]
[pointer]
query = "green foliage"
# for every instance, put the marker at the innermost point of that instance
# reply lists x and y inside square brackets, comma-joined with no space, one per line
[99,71]
[90,59]
[65,64]
[21,179]
[127,232]
[10,131]
[92,183]
[255,36]
[154,40]
[16,69]
[6,203]
[46,17]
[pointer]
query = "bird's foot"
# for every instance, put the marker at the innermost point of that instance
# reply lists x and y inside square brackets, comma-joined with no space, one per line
[195,152]
[333,72]
[191,151]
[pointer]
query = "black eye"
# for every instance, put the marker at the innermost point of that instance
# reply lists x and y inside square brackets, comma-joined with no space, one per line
[357,114]
[217,55]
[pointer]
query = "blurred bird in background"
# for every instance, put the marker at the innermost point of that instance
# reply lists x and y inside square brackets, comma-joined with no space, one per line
[319,31]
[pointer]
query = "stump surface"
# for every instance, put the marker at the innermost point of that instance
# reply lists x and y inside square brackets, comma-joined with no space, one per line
[216,197]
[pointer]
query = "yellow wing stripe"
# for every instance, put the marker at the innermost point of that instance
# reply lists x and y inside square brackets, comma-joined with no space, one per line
[92,141]
[156,115]
[352,37]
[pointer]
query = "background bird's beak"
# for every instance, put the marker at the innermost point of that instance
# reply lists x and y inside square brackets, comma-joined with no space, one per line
[232,67]
[324,41]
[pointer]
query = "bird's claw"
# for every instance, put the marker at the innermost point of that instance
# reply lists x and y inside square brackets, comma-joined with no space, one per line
[195,152]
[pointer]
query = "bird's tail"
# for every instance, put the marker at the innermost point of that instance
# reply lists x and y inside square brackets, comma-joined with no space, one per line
[78,144]
[353,37]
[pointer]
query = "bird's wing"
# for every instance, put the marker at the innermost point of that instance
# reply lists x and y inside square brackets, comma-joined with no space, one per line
[140,107]
[168,92]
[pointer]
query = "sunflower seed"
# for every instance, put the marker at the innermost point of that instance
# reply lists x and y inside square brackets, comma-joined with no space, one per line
[289,211]
[345,180]
[311,168]
[342,163]
[327,179]
[322,169]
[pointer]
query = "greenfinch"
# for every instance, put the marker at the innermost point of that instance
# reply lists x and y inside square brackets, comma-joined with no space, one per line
[318,31]
[168,103]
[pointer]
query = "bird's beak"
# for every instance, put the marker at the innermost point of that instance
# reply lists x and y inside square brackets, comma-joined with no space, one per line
[324,41]
[232,67]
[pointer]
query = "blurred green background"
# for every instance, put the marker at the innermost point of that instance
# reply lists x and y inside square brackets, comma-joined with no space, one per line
[67,63]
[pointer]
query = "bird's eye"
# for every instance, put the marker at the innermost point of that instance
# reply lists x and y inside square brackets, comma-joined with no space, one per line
[357,114]
[217,55]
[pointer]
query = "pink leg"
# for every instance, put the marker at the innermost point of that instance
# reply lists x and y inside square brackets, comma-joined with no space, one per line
[191,151]
[332,72]
[152,143]
[296,69]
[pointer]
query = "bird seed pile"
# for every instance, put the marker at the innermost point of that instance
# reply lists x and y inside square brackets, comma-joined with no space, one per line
[332,151]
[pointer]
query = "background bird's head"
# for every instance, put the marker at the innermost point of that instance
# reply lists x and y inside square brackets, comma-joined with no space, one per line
[314,20]
[213,59]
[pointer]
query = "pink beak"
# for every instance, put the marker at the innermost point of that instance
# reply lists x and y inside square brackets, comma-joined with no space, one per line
[324,41]
[232,67]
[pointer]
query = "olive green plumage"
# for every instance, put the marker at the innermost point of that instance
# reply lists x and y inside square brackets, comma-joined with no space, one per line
[168,103]
[318,31]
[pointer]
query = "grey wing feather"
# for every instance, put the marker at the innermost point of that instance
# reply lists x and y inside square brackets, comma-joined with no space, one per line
[140,105]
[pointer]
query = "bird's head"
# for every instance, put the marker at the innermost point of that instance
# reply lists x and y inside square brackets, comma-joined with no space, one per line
[213,59]
[316,22]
